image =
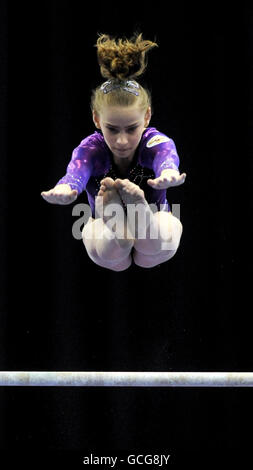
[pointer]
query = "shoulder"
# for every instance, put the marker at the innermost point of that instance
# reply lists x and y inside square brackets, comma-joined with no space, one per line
[152,137]
[153,140]
[91,147]
[156,147]
[94,151]
[93,141]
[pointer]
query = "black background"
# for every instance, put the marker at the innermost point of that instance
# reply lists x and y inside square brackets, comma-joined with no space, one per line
[60,311]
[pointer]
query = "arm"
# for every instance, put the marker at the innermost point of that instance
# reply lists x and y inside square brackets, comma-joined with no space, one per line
[78,170]
[165,165]
[74,182]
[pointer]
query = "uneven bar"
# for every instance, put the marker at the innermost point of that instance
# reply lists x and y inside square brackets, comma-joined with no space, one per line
[126,379]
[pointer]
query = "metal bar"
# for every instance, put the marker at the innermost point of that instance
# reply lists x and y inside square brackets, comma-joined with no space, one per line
[126,379]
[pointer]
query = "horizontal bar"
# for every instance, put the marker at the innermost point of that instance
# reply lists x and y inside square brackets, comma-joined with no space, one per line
[126,379]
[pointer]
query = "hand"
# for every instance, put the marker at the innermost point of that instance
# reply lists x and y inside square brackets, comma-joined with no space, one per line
[168,179]
[60,194]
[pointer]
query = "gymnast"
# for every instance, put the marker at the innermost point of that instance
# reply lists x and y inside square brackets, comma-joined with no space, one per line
[124,164]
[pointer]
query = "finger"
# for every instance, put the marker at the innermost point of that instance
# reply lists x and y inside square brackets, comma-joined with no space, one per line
[179,181]
[46,193]
[152,182]
[157,185]
[182,178]
[160,184]
[47,197]
[66,198]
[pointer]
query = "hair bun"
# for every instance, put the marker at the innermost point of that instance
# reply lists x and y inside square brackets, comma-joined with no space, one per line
[118,67]
[122,59]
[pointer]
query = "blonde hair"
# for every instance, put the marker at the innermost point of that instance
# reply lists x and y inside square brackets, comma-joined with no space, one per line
[120,60]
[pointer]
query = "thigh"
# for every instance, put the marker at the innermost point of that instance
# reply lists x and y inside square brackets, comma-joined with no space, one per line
[90,230]
[169,229]
[89,237]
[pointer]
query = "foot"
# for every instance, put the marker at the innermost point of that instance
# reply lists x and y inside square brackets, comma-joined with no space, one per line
[132,195]
[109,195]
[109,192]
[129,192]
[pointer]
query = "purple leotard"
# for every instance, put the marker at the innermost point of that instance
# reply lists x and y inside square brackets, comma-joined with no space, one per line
[92,161]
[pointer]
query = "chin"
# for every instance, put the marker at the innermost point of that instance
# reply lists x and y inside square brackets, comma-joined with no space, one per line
[124,155]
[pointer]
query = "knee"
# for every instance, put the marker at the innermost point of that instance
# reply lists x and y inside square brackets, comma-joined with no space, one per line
[104,250]
[123,266]
[150,261]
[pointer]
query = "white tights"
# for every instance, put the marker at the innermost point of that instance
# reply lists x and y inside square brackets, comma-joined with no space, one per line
[108,251]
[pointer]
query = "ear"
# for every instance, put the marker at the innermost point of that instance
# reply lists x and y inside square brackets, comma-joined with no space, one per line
[95,118]
[147,116]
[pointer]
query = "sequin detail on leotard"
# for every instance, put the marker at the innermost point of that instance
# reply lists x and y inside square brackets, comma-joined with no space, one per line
[92,161]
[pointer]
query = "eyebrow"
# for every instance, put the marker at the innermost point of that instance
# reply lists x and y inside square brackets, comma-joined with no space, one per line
[116,127]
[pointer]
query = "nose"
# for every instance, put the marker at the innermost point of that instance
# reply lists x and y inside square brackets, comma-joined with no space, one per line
[122,139]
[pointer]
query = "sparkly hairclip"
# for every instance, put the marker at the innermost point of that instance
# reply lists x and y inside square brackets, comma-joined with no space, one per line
[131,87]
[127,85]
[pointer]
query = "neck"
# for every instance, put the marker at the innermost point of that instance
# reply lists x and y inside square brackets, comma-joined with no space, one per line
[123,164]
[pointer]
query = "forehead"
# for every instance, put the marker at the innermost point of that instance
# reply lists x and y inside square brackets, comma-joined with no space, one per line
[121,116]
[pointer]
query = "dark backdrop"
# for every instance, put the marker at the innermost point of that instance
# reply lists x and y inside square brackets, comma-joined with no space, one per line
[59,311]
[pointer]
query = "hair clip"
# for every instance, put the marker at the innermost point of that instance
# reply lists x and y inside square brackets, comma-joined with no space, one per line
[127,85]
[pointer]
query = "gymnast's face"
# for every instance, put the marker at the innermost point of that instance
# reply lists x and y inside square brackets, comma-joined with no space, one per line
[122,128]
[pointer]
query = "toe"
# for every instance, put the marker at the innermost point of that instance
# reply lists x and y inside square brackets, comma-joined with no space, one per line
[129,186]
[118,183]
[108,183]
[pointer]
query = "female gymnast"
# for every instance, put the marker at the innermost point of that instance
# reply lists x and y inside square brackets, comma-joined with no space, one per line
[124,164]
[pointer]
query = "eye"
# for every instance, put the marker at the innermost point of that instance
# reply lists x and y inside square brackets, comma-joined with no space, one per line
[111,129]
[132,129]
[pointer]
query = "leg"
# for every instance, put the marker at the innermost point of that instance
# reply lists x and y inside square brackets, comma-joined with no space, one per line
[149,261]
[105,252]
[169,234]
[160,231]
[163,233]
[108,246]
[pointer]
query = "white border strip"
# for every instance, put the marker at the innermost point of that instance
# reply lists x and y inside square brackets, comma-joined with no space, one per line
[126,379]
